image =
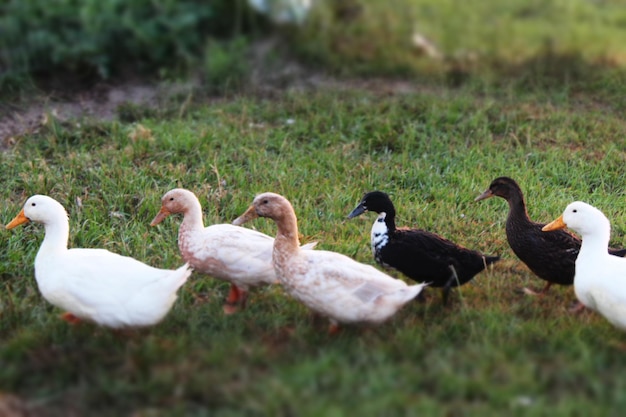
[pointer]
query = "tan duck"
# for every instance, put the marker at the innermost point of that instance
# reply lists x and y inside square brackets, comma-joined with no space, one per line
[238,255]
[329,283]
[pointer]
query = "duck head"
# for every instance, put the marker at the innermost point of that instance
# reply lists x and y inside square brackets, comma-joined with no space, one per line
[270,205]
[582,218]
[40,209]
[174,201]
[504,187]
[375,201]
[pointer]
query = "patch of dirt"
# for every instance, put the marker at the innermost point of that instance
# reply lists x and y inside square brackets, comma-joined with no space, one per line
[99,102]
[67,100]
[103,101]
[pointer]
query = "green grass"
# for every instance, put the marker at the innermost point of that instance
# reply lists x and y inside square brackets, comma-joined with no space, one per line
[491,352]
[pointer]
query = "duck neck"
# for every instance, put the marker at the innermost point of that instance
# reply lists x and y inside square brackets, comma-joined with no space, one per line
[55,239]
[517,207]
[390,220]
[595,243]
[380,235]
[286,243]
[192,218]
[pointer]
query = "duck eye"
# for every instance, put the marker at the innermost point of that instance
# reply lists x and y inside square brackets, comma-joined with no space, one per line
[33,204]
[265,201]
[171,198]
[575,211]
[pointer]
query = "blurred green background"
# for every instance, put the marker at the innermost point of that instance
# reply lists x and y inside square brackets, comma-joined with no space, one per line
[527,41]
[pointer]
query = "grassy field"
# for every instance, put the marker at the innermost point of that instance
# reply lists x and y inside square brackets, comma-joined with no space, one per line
[490,352]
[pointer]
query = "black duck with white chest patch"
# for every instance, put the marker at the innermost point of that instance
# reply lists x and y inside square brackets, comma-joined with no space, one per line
[419,254]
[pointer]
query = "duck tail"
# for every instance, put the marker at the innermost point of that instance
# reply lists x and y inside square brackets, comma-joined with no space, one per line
[308,246]
[491,259]
[401,296]
[415,290]
[617,252]
[179,276]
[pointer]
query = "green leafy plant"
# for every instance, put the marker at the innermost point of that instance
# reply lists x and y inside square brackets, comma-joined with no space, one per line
[103,38]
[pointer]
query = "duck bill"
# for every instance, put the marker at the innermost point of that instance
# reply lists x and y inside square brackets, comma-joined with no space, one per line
[358,210]
[484,195]
[250,214]
[555,225]
[19,219]
[163,213]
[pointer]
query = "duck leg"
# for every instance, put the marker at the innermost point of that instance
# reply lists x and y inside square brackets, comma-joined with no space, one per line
[243,297]
[334,328]
[232,303]
[545,289]
[576,308]
[70,318]
[446,288]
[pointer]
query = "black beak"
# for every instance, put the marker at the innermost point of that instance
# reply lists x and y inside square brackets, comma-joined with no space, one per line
[360,209]
[484,195]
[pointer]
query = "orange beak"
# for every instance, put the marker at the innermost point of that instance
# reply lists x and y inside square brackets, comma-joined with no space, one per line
[19,219]
[163,213]
[250,214]
[555,225]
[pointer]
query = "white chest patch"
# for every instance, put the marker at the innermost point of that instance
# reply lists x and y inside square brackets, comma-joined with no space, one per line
[380,235]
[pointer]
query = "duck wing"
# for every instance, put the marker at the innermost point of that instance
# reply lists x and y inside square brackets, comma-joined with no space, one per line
[337,273]
[426,256]
[93,282]
[343,289]
[231,253]
[550,255]
[600,284]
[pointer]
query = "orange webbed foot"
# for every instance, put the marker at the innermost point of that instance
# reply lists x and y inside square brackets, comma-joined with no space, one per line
[230,308]
[334,329]
[236,300]
[70,318]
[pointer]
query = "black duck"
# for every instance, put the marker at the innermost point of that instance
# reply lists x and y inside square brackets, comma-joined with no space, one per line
[419,254]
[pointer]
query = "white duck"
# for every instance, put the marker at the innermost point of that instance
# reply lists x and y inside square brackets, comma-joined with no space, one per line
[600,278]
[95,284]
[234,254]
[329,283]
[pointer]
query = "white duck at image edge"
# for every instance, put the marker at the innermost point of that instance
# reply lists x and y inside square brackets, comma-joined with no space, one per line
[328,283]
[94,284]
[240,256]
[600,278]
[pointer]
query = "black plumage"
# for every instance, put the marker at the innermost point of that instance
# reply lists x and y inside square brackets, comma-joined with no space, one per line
[549,255]
[420,255]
